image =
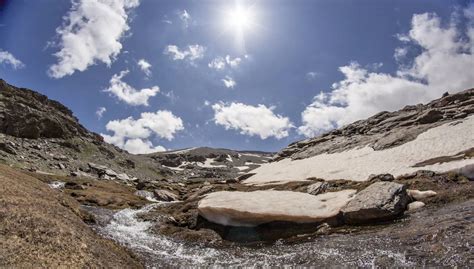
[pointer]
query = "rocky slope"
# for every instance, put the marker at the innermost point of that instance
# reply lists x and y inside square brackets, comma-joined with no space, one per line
[436,136]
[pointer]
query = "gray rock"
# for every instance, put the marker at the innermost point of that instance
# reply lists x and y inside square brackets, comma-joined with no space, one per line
[379,202]
[382,177]
[430,116]
[166,196]
[123,176]
[8,148]
[317,188]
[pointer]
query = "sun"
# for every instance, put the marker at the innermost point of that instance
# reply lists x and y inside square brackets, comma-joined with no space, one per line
[239,18]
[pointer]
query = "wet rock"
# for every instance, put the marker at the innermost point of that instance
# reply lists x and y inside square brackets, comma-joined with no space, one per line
[415,205]
[420,195]
[317,188]
[247,209]
[165,196]
[379,202]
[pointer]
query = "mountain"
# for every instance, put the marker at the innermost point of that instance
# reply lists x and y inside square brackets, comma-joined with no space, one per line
[437,136]
[40,134]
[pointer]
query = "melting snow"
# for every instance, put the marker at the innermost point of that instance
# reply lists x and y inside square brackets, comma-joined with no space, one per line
[358,164]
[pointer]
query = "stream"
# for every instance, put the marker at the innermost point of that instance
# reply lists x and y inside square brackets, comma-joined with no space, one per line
[430,237]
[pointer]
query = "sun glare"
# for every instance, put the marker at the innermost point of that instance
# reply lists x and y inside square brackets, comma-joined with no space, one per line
[239,18]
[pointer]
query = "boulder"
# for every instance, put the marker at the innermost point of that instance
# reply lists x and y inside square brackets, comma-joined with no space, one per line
[165,196]
[378,202]
[419,195]
[248,209]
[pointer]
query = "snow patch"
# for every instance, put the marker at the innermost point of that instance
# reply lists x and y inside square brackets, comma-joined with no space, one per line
[358,164]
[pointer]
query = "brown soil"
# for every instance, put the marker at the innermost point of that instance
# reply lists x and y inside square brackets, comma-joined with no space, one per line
[43,228]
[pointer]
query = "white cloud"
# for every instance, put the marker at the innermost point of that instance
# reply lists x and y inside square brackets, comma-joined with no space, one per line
[91,33]
[127,93]
[312,75]
[229,82]
[220,63]
[445,64]
[8,58]
[251,120]
[145,67]
[133,135]
[185,18]
[140,146]
[100,112]
[232,62]
[190,53]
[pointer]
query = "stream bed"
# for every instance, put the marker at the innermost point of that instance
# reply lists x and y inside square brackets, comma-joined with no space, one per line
[441,236]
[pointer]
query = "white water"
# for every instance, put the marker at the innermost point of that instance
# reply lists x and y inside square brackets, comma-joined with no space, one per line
[159,251]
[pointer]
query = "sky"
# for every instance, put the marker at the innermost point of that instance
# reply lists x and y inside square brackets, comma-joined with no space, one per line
[154,75]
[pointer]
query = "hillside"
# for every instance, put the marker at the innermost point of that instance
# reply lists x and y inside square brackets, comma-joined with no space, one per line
[437,136]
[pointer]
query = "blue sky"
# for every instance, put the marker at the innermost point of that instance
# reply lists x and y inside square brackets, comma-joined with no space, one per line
[235,74]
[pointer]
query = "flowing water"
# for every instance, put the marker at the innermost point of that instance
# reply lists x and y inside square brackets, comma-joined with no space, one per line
[430,237]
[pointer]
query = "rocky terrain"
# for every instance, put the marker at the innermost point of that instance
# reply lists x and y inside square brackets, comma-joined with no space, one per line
[395,189]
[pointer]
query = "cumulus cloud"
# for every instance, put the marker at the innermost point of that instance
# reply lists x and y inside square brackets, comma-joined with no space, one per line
[220,63]
[127,93]
[133,134]
[91,33]
[139,146]
[100,112]
[229,82]
[145,67]
[251,120]
[8,58]
[185,18]
[190,53]
[445,64]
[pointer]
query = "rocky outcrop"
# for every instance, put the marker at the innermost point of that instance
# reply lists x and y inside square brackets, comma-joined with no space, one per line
[259,207]
[28,114]
[385,129]
[165,196]
[379,202]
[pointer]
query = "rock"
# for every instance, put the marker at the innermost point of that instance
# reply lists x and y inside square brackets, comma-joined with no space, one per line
[7,147]
[419,195]
[415,205]
[430,116]
[317,188]
[165,196]
[249,209]
[81,174]
[110,173]
[61,166]
[378,202]
[123,176]
[381,177]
